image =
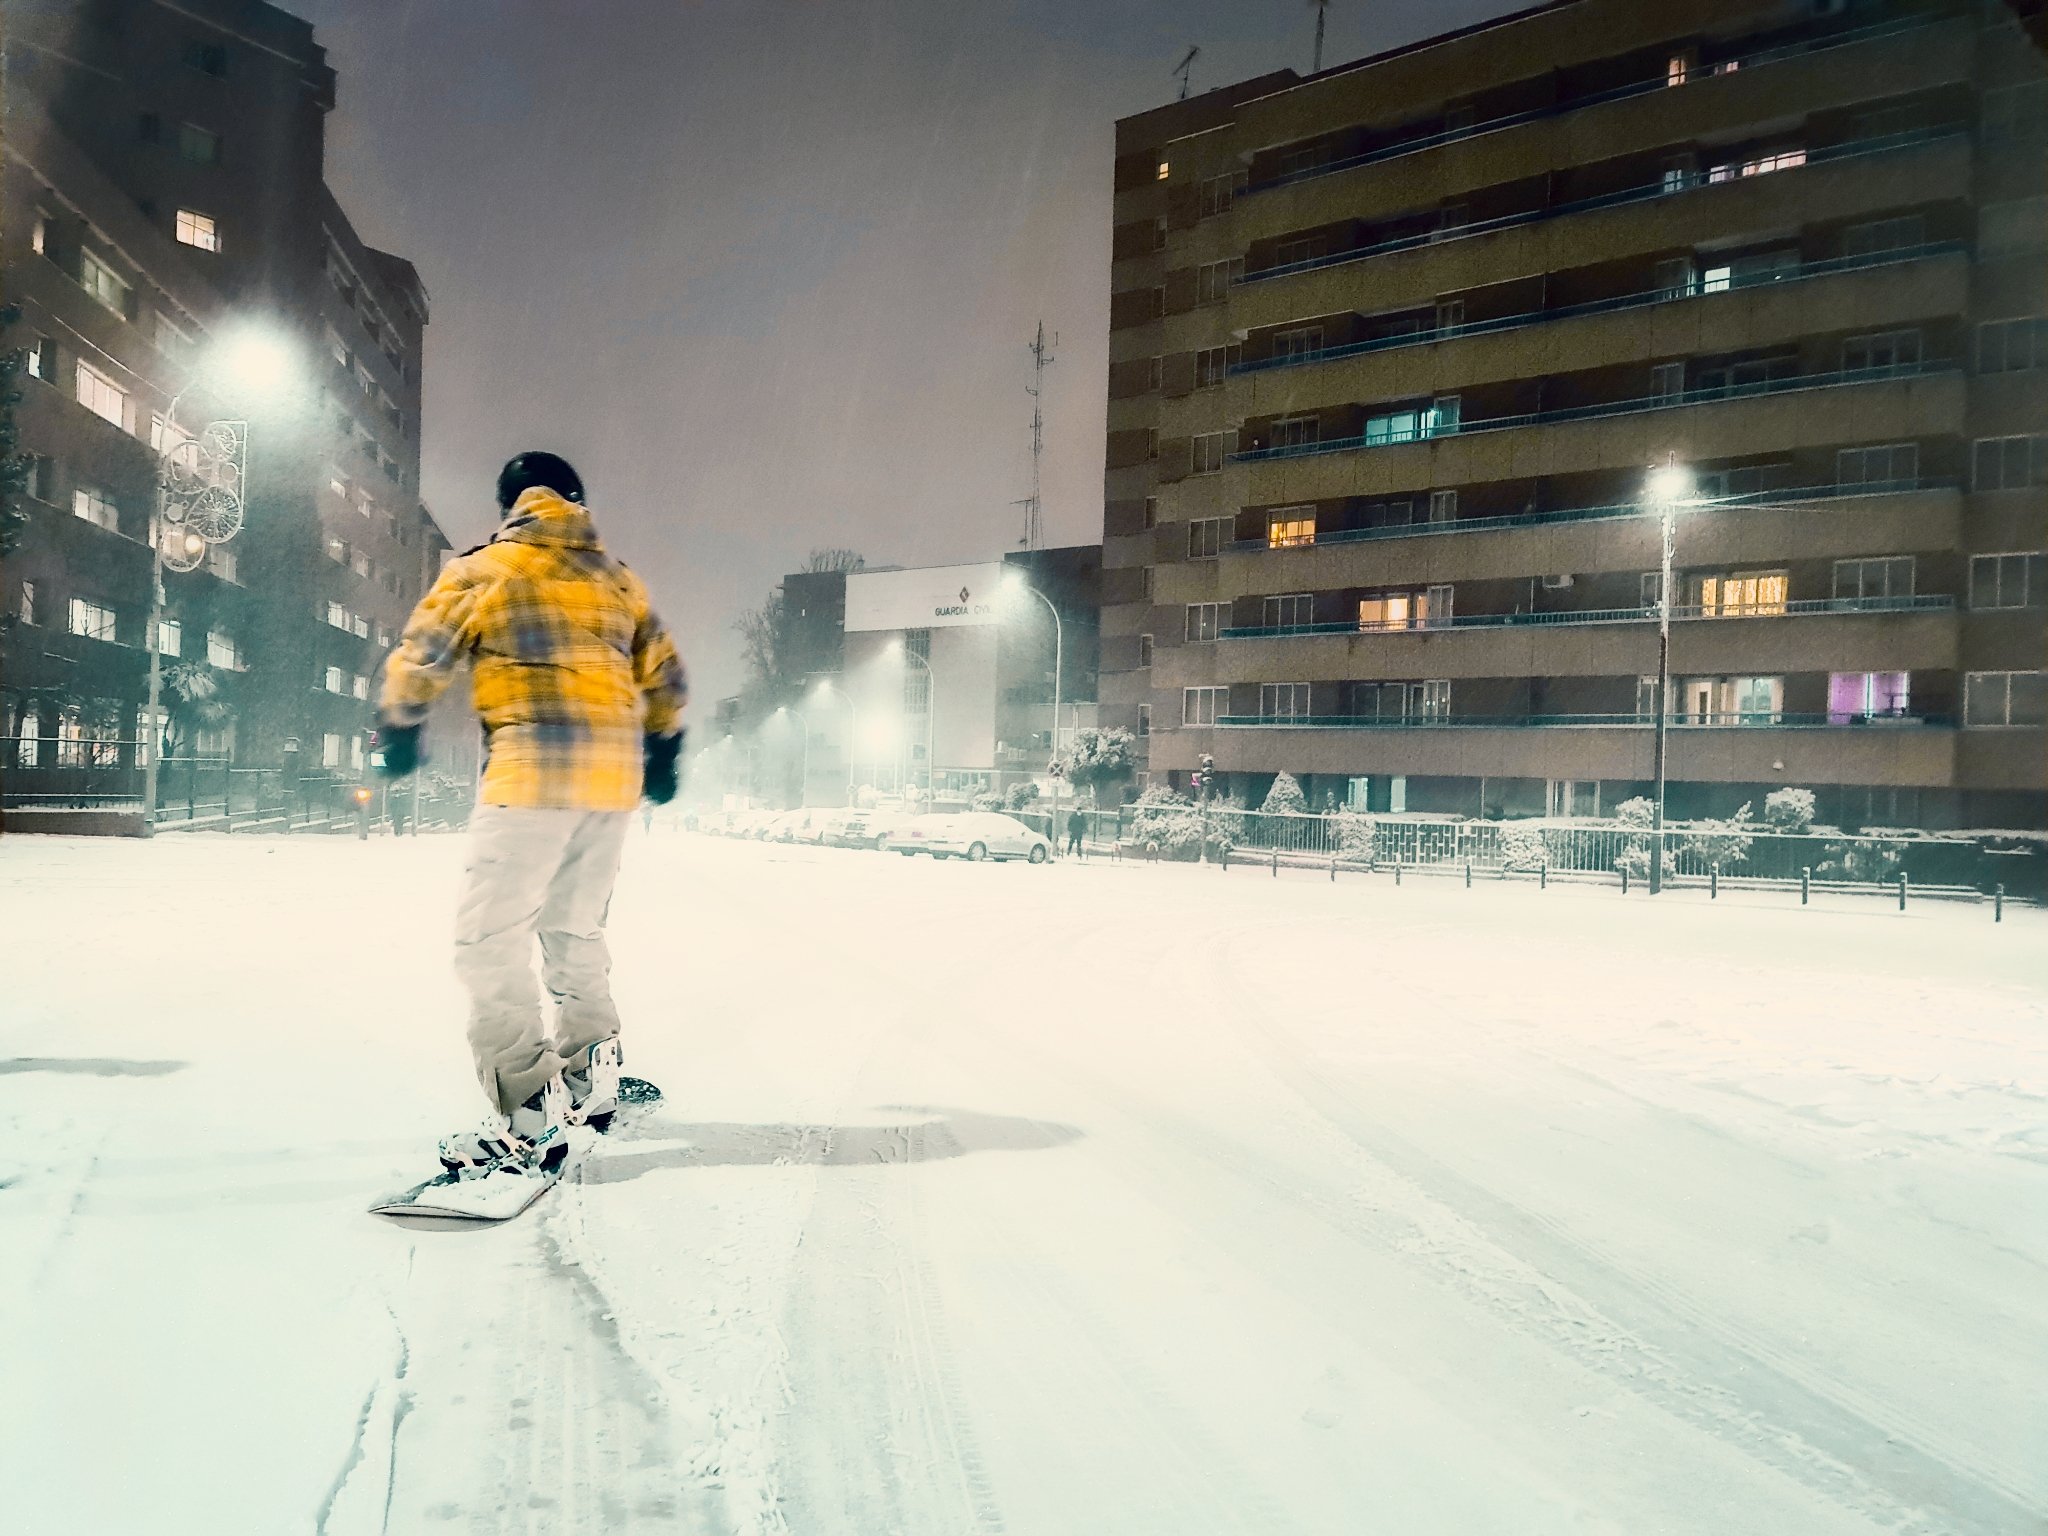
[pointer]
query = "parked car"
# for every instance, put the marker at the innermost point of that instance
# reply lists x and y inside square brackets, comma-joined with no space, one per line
[974,835]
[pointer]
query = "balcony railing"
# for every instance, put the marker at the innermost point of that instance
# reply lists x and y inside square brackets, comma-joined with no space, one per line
[1748,720]
[1805,607]
[1668,295]
[1649,86]
[1425,430]
[1675,185]
[1792,496]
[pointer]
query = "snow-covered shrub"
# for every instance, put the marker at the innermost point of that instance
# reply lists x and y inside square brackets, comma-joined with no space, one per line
[1634,856]
[1356,835]
[1523,848]
[1285,797]
[988,800]
[1165,819]
[1789,810]
[1022,797]
[1725,843]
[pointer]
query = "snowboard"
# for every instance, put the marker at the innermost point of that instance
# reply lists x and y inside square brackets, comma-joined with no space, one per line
[505,1190]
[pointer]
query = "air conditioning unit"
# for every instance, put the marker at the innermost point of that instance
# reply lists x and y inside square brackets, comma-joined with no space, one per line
[1556,583]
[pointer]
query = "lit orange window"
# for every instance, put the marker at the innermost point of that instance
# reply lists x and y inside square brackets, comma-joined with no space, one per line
[1290,530]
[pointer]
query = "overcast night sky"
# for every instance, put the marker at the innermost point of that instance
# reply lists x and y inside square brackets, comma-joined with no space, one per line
[766,270]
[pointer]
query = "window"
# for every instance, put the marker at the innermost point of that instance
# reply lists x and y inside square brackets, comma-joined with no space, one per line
[1743,594]
[1217,192]
[359,562]
[1212,364]
[39,235]
[1433,699]
[337,549]
[1731,700]
[1290,610]
[359,686]
[221,651]
[221,562]
[1159,233]
[1677,69]
[170,637]
[95,507]
[1144,650]
[2010,463]
[1145,583]
[2008,581]
[101,395]
[1746,375]
[1393,610]
[1887,464]
[41,359]
[1201,706]
[1393,427]
[198,229]
[330,750]
[1667,381]
[1679,173]
[199,145]
[2007,346]
[1213,279]
[1290,527]
[1857,696]
[207,58]
[334,680]
[91,620]
[359,626]
[1675,278]
[1450,315]
[337,615]
[101,281]
[30,736]
[1758,165]
[1165,169]
[1443,506]
[1871,580]
[1207,536]
[1880,236]
[1651,590]
[1887,352]
[1144,719]
[1297,253]
[1204,622]
[1293,433]
[1283,701]
[2005,698]
[355,751]
[26,608]
[1646,697]
[1208,453]
[1298,342]
[1304,159]
[1575,797]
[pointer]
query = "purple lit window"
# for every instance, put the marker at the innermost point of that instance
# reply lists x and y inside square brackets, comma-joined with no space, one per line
[1856,696]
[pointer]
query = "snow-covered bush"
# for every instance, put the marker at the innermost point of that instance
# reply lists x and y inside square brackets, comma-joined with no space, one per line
[1165,819]
[1789,810]
[1725,843]
[1285,797]
[1523,848]
[1097,759]
[1022,797]
[866,797]
[988,800]
[1356,835]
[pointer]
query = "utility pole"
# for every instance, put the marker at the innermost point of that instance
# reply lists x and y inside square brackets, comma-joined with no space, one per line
[1041,359]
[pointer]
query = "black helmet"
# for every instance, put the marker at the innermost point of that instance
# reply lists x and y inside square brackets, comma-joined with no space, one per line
[522,473]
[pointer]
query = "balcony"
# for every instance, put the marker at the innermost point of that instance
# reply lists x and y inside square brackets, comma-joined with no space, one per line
[1637,721]
[1572,617]
[1654,85]
[1669,186]
[1805,271]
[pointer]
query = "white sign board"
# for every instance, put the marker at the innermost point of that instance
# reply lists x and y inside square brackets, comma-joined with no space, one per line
[935,597]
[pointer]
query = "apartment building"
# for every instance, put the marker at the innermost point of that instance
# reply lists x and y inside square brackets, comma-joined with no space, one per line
[1395,347]
[163,187]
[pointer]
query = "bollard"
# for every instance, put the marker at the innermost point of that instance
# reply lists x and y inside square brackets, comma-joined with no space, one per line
[1397,874]
[1543,876]
[1713,882]
[1805,884]
[1998,904]
[1468,874]
[1902,890]
[1333,869]
[1223,858]
[1276,863]
[1624,879]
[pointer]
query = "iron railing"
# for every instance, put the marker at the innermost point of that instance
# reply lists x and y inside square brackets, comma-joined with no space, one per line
[1425,431]
[1792,496]
[1668,295]
[1927,602]
[1630,720]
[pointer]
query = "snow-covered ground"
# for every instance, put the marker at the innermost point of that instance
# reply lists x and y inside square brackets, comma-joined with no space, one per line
[987,1199]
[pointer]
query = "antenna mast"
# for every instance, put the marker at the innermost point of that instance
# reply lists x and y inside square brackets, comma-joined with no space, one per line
[1041,359]
[1186,67]
[1322,11]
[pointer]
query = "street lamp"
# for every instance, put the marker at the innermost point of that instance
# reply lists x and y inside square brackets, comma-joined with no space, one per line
[201,495]
[931,708]
[827,686]
[1669,486]
[1014,582]
[803,726]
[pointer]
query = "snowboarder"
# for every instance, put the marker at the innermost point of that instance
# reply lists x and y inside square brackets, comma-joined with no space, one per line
[581,693]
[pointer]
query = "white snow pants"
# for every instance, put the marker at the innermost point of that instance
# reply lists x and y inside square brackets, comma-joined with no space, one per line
[536,871]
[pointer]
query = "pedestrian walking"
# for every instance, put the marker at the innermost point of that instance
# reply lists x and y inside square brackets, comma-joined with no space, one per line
[1077,828]
[581,694]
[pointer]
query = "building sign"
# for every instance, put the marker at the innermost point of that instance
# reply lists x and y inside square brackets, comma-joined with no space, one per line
[936,597]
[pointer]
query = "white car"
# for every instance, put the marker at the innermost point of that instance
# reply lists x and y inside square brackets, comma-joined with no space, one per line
[974,835]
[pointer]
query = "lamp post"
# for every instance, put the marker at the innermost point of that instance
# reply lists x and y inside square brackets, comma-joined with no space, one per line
[1015,581]
[827,686]
[211,500]
[931,708]
[1668,487]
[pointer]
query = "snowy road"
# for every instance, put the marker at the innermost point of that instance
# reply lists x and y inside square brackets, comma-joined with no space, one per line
[991,1199]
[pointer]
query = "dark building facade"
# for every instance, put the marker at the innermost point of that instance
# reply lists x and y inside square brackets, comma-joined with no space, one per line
[1394,349]
[164,194]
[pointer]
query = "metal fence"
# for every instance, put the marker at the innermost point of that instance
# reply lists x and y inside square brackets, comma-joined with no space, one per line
[1871,859]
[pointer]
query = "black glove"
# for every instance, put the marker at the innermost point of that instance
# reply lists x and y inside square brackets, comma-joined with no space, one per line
[660,774]
[398,749]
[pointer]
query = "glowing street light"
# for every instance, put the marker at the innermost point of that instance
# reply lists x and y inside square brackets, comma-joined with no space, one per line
[210,477]
[1668,487]
[1016,585]
[825,689]
[901,652]
[803,796]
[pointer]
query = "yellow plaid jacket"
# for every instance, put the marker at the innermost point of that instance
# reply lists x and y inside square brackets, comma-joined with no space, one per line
[571,665]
